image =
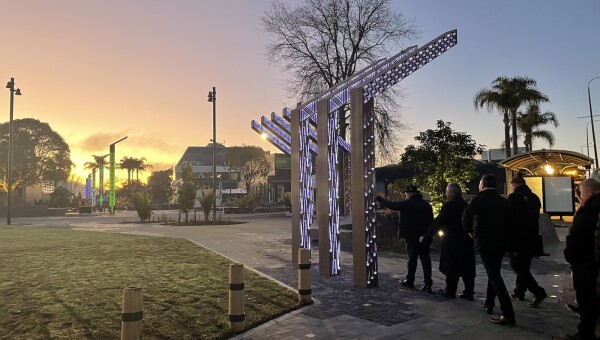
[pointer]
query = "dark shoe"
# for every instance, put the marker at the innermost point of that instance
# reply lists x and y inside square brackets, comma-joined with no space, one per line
[488,308]
[538,300]
[517,296]
[466,296]
[427,289]
[502,320]
[573,307]
[407,283]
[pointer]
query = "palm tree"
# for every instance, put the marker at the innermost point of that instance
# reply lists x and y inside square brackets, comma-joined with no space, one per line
[99,161]
[130,164]
[529,123]
[141,166]
[507,95]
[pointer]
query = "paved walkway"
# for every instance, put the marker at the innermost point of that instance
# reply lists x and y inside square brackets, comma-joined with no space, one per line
[342,311]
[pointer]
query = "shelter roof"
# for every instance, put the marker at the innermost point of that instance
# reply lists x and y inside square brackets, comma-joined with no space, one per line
[535,162]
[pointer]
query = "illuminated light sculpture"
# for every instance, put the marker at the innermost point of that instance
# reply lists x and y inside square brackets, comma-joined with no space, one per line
[111,196]
[363,218]
[368,84]
[276,141]
[364,234]
[88,187]
[363,178]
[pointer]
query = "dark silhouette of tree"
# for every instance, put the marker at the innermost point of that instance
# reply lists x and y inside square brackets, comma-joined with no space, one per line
[507,95]
[140,166]
[129,164]
[530,122]
[187,192]
[39,154]
[319,43]
[160,187]
[250,162]
[99,161]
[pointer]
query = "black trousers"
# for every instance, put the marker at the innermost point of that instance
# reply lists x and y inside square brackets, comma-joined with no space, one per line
[492,261]
[584,283]
[521,264]
[452,284]
[420,250]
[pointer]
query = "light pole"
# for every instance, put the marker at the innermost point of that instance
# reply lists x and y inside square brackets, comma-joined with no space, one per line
[229,200]
[212,97]
[11,86]
[592,121]
[101,184]
[587,137]
[111,195]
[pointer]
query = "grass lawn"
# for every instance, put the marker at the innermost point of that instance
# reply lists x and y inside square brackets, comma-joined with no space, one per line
[61,283]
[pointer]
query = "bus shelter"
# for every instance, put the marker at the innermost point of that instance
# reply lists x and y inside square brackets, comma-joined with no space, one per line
[552,175]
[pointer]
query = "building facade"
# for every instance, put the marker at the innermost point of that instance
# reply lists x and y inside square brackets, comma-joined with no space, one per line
[200,159]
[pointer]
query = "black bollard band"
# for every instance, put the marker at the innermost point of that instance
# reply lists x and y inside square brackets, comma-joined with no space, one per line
[236,286]
[304,291]
[131,317]
[237,318]
[304,266]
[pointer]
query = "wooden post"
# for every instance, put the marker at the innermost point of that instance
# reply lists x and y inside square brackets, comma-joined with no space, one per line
[236,297]
[295,185]
[132,315]
[324,215]
[304,279]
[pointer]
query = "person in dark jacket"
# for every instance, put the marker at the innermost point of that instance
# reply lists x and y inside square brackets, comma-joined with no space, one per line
[457,256]
[526,206]
[487,219]
[416,215]
[579,252]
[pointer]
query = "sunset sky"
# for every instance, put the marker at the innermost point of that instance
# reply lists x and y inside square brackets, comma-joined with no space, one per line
[97,71]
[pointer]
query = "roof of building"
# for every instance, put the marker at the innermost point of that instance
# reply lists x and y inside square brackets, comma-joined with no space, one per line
[203,155]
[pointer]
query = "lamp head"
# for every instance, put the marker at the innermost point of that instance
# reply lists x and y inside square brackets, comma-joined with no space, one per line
[11,84]
[18,92]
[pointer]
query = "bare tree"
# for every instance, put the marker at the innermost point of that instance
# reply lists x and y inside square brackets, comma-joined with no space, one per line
[319,43]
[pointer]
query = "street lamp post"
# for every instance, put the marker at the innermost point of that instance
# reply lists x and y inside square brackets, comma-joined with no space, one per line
[592,121]
[111,196]
[212,97]
[11,86]
[587,137]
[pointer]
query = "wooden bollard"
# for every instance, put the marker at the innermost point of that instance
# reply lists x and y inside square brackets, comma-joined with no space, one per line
[132,316]
[236,297]
[304,281]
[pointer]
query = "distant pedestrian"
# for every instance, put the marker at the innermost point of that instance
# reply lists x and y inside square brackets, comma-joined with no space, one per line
[487,219]
[416,215]
[526,206]
[457,255]
[579,252]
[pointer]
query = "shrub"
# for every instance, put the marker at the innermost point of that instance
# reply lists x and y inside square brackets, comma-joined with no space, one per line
[287,200]
[206,201]
[247,203]
[143,205]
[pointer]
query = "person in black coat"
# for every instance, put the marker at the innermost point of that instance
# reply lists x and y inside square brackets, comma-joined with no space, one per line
[457,255]
[579,252]
[526,206]
[416,215]
[487,219]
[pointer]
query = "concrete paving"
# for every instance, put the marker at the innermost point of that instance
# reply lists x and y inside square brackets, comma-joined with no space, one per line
[342,311]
